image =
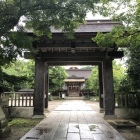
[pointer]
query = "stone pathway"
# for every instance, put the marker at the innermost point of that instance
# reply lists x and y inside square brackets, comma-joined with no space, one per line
[73,120]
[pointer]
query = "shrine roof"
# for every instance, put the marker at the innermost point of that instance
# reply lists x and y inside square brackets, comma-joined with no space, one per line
[79,73]
[75,77]
[93,26]
[74,80]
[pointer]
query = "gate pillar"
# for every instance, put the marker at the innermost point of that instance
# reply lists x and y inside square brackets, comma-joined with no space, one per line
[46,84]
[109,97]
[38,99]
[101,103]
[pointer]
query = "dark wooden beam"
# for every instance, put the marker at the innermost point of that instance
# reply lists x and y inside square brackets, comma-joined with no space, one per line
[116,54]
[74,56]
[69,54]
[73,63]
[96,54]
[73,59]
[64,43]
[62,36]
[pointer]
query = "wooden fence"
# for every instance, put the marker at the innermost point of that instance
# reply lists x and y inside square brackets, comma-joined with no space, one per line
[131,100]
[20,99]
[25,99]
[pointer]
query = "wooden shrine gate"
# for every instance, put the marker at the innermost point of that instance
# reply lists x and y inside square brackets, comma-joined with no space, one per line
[80,51]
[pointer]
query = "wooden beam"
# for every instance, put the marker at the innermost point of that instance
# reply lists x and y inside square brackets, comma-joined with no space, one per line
[116,54]
[66,56]
[91,55]
[65,43]
[73,59]
[73,63]
[69,54]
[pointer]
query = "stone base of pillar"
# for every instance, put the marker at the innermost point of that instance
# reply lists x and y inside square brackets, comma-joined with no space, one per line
[4,129]
[46,110]
[107,117]
[101,110]
[38,116]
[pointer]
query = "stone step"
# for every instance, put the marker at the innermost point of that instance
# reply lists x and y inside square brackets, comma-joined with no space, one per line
[74,98]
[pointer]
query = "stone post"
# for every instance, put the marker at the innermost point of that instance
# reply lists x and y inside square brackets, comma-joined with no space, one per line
[4,129]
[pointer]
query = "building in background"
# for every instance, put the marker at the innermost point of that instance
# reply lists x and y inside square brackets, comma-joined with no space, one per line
[76,80]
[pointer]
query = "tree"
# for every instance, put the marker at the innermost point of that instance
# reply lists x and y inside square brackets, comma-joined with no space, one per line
[57,75]
[39,15]
[119,73]
[134,67]
[23,74]
[19,74]
[44,13]
[125,36]
[93,81]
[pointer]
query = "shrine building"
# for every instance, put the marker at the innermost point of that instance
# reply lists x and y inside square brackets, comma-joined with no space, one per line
[76,80]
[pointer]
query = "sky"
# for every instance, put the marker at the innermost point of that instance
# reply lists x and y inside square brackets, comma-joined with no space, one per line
[96,16]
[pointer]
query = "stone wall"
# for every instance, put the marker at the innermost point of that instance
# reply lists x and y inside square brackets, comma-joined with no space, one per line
[21,112]
[5,100]
[127,113]
[4,129]
[5,105]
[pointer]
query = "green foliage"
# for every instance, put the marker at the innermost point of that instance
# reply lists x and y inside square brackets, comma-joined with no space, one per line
[125,35]
[104,40]
[117,37]
[126,85]
[134,67]
[19,74]
[56,78]
[93,81]
[42,14]
[39,15]
[128,36]
[119,73]
[23,122]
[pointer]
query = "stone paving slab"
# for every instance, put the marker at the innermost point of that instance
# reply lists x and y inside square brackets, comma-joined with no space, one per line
[73,120]
[72,105]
